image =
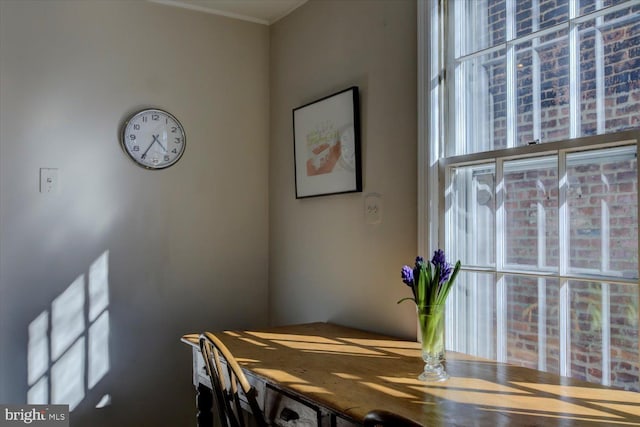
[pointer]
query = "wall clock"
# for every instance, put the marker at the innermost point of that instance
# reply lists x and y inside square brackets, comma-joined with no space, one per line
[153,138]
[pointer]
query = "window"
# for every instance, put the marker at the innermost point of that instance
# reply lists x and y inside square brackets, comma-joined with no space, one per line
[529,176]
[536,71]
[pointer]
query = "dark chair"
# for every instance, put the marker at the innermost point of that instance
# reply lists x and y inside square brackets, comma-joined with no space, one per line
[235,398]
[380,417]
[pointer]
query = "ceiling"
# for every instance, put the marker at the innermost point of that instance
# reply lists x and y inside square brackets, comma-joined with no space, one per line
[260,11]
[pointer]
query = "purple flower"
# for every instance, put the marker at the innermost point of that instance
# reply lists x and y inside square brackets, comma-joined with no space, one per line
[430,281]
[439,260]
[407,275]
[438,257]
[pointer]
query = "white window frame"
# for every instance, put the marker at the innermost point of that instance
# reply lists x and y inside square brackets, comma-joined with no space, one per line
[432,178]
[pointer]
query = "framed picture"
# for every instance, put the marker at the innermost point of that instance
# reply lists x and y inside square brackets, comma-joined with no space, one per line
[326,142]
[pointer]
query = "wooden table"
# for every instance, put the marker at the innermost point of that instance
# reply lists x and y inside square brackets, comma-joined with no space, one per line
[338,374]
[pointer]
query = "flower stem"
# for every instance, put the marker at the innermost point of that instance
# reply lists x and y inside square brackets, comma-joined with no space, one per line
[431,319]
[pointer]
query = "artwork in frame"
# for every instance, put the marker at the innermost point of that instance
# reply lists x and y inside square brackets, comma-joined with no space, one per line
[326,140]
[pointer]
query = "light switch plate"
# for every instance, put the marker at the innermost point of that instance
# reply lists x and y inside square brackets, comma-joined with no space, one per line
[373,208]
[49,180]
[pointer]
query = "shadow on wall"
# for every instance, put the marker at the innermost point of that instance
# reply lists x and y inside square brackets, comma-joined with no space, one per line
[68,350]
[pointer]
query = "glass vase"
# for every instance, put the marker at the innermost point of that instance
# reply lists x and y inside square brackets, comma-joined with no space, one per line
[431,322]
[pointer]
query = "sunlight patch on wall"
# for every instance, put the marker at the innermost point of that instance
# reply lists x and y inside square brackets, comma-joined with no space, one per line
[105,401]
[98,349]
[67,376]
[68,350]
[98,287]
[67,318]
[38,361]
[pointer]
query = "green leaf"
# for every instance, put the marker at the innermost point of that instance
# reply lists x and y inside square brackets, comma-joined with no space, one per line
[422,279]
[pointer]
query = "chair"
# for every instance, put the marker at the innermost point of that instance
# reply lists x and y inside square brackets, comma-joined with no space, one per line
[380,417]
[234,396]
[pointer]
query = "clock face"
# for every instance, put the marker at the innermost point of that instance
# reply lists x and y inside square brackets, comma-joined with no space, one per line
[153,138]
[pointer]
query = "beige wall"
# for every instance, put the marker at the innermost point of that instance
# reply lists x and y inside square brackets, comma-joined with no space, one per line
[326,263]
[222,226]
[186,246]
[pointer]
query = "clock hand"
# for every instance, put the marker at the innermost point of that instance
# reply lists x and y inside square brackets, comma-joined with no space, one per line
[155,139]
[159,143]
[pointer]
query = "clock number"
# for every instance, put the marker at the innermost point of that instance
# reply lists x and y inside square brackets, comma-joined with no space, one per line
[178,140]
[135,148]
[145,119]
[155,117]
[174,151]
[174,129]
[167,158]
[136,127]
[132,137]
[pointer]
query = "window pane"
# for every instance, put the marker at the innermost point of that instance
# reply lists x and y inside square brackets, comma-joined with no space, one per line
[586,331]
[470,324]
[625,357]
[588,6]
[610,72]
[483,25]
[483,115]
[535,15]
[543,88]
[602,195]
[472,215]
[531,213]
[533,330]
[604,333]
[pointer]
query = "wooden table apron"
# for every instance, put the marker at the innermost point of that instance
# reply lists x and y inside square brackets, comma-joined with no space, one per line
[349,372]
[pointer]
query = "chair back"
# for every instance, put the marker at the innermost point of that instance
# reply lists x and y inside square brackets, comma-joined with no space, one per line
[380,417]
[235,397]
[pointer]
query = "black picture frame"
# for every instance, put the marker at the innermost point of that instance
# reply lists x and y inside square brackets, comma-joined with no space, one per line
[326,145]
